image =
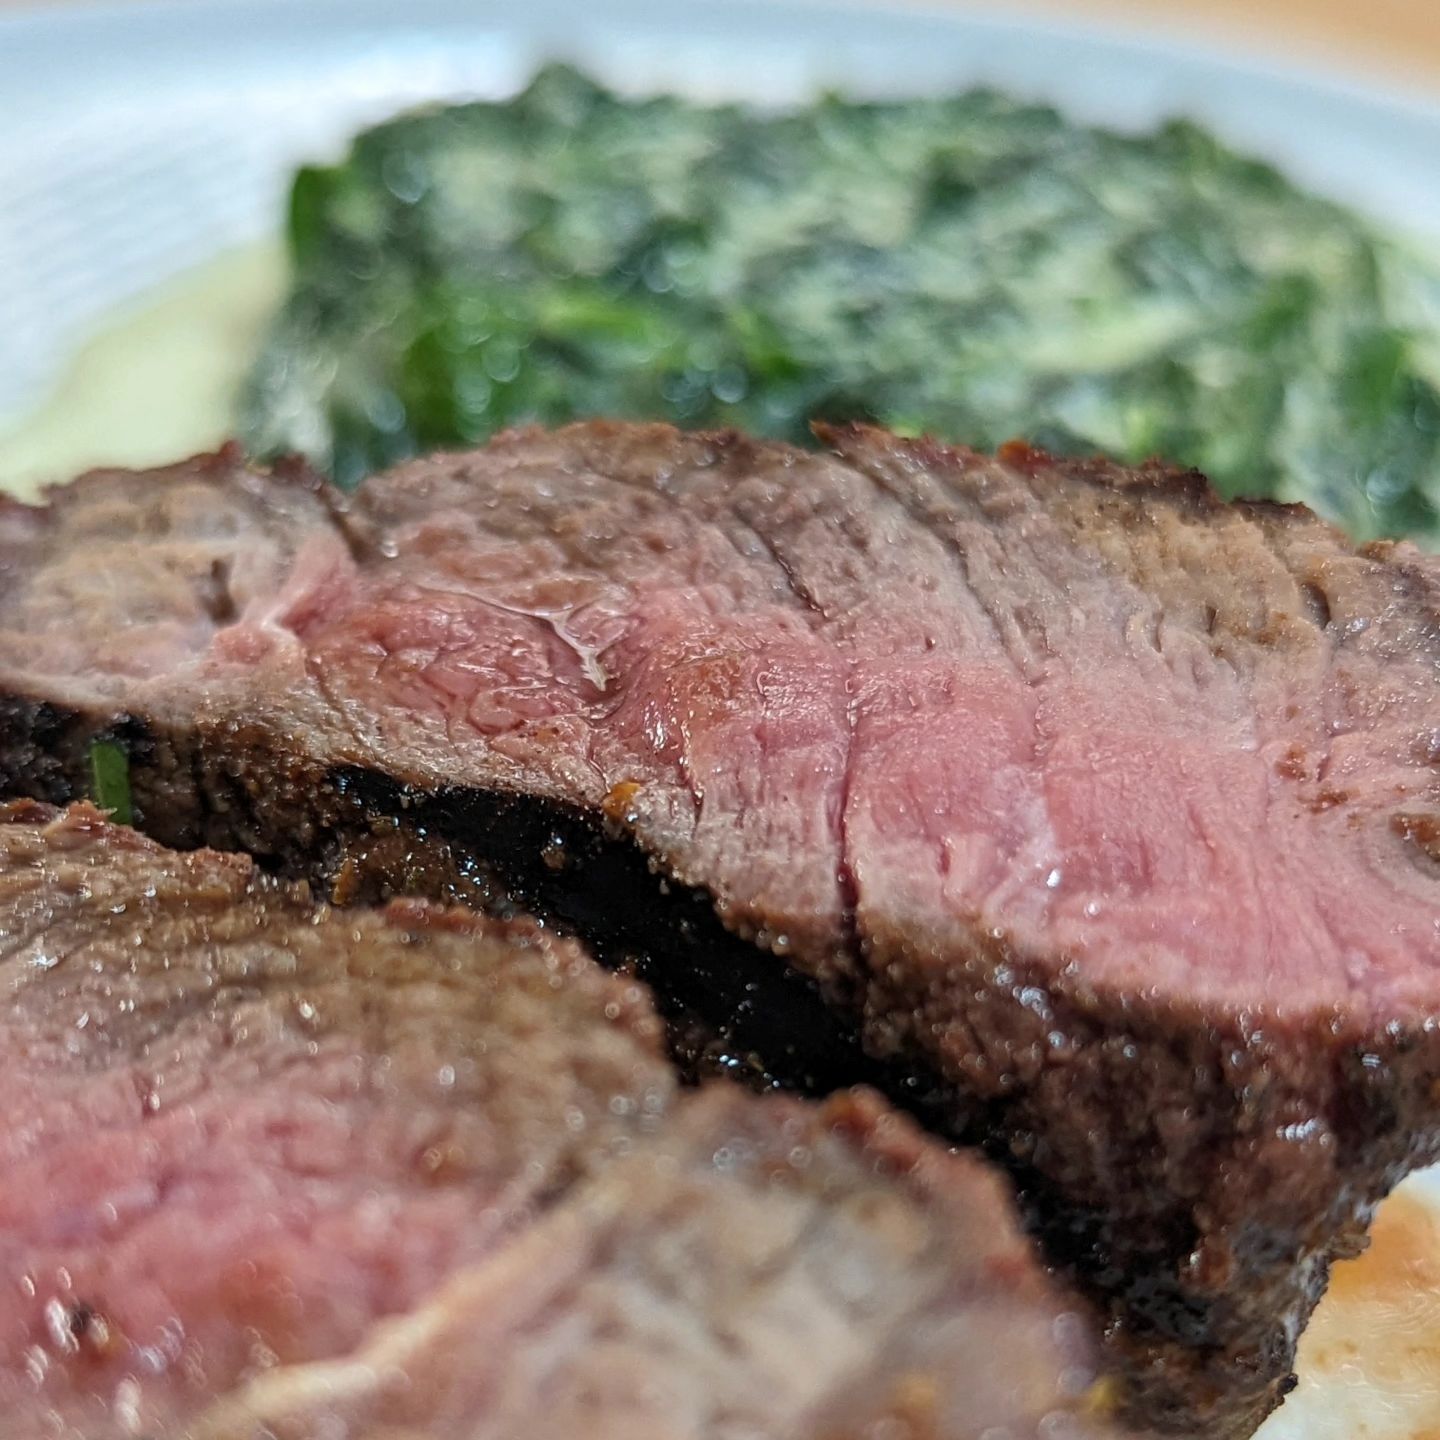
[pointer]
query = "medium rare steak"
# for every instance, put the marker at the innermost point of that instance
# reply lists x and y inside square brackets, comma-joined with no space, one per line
[1094,817]
[271,1170]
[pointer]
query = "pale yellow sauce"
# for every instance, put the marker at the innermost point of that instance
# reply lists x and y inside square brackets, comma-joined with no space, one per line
[158,382]
[1369,1364]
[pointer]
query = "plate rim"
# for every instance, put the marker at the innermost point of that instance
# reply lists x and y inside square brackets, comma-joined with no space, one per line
[1367,83]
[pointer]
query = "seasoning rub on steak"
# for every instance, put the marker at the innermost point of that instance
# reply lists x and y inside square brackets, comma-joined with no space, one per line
[270,1170]
[1101,816]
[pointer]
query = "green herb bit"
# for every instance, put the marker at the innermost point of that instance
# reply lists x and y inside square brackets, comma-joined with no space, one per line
[110,780]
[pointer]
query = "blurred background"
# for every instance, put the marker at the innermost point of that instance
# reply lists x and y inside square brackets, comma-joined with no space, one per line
[1396,37]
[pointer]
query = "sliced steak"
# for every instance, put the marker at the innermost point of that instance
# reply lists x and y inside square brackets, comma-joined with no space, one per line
[1090,815]
[269,1169]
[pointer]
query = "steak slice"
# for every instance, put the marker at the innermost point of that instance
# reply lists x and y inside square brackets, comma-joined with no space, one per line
[1093,817]
[269,1169]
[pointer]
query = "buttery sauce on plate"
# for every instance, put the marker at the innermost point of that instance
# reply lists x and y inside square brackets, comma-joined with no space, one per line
[157,382]
[1370,1362]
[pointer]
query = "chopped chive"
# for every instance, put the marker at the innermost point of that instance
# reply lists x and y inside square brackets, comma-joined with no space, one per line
[110,780]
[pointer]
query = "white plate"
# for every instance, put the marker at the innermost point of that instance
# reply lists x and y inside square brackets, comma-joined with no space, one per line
[139,141]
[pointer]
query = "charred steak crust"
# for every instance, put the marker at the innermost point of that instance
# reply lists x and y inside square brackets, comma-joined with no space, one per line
[274,1169]
[1201,1119]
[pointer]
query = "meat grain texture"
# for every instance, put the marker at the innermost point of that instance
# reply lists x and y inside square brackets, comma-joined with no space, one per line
[1098,819]
[272,1170]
